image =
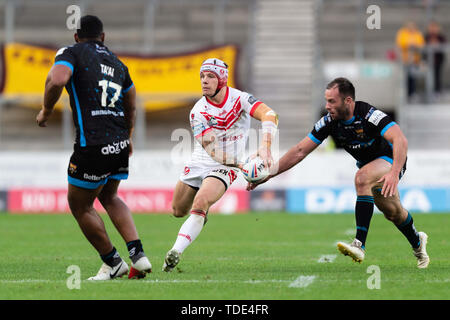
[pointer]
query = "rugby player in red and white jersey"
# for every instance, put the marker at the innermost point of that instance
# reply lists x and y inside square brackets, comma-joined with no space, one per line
[220,122]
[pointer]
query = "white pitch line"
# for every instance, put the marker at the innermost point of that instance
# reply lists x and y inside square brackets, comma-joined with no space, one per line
[30,281]
[24,281]
[302,282]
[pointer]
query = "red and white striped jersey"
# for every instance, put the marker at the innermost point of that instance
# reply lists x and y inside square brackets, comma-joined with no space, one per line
[230,122]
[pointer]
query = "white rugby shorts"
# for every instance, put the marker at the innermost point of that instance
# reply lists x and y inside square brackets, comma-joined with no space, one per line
[194,175]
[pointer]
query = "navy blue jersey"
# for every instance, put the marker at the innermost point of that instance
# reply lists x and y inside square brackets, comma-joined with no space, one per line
[361,136]
[99,80]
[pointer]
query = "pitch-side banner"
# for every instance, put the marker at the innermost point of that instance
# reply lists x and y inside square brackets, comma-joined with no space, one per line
[161,82]
[149,200]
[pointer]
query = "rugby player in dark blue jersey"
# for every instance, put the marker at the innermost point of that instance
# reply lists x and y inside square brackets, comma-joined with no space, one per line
[103,102]
[379,147]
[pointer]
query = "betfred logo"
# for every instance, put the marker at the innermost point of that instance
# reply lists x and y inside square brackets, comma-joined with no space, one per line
[186,170]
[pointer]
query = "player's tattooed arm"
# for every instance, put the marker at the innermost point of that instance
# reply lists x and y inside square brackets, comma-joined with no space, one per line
[209,143]
[296,154]
[57,78]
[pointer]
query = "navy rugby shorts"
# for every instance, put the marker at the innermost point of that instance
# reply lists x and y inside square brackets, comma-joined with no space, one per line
[388,159]
[92,166]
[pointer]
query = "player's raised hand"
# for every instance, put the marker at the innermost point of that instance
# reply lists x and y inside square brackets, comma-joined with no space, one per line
[390,182]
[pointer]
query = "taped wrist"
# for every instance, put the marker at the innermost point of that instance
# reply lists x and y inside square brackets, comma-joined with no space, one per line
[270,128]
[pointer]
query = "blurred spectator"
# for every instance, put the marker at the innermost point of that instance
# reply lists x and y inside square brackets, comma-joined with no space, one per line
[436,39]
[410,41]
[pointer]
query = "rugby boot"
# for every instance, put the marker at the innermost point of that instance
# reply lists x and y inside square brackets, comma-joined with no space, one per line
[421,252]
[354,250]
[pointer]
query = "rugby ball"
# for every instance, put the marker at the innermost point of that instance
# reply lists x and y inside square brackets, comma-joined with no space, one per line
[254,170]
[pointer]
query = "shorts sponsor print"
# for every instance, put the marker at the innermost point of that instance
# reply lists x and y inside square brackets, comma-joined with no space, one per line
[92,166]
[193,174]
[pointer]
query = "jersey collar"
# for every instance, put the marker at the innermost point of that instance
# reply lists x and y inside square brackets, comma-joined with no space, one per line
[221,104]
[349,121]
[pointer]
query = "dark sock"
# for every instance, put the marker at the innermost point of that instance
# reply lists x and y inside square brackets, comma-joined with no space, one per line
[135,250]
[363,215]
[111,259]
[409,231]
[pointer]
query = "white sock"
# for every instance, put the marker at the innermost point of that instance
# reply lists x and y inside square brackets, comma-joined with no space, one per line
[189,231]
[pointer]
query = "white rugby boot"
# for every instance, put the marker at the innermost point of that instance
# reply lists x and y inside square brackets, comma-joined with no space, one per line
[354,250]
[421,253]
[139,269]
[171,260]
[108,273]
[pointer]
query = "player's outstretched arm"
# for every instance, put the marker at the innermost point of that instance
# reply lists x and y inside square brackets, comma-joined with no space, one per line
[269,120]
[400,148]
[294,155]
[57,78]
[129,109]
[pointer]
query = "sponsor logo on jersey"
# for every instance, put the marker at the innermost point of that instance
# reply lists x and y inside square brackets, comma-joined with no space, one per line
[252,100]
[232,138]
[370,112]
[361,145]
[107,113]
[359,133]
[376,117]
[72,168]
[320,124]
[198,129]
[212,121]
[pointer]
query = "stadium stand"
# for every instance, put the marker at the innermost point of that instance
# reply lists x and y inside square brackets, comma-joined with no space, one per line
[284,45]
[143,27]
[341,40]
[283,64]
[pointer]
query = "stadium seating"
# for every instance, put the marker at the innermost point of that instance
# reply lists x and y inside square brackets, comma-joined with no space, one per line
[283,48]
[283,64]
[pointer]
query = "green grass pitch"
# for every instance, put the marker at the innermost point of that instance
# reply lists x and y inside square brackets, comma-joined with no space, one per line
[244,257]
